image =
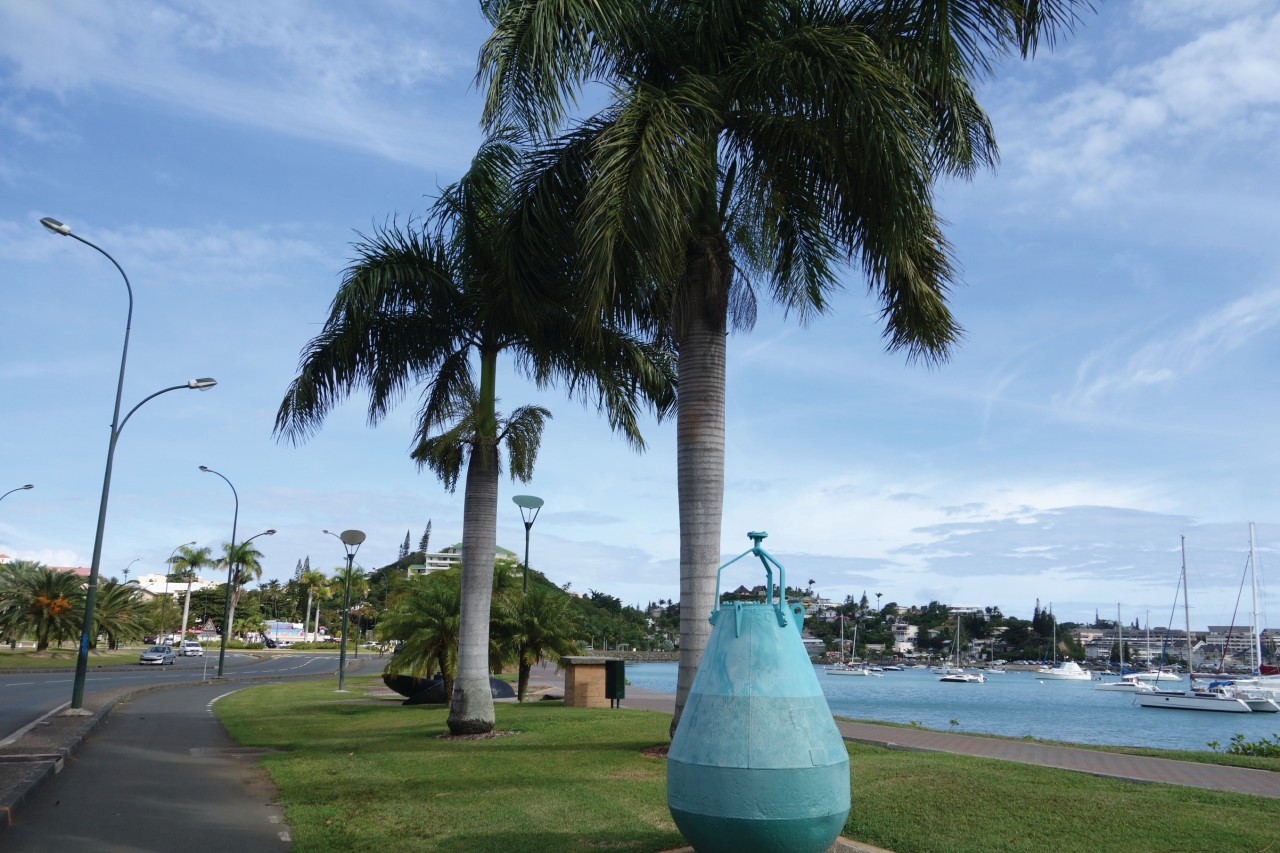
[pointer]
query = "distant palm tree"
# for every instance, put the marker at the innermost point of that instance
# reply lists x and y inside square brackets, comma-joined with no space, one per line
[185,567]
[313,581]
[338,585]
[120,613]
[424,617]
[248,568]
[765,140]
[437,305]
[534,627]
[44,602]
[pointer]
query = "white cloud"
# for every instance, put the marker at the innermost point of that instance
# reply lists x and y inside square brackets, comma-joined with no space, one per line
[1175,353]
[1101,138]
[296,68]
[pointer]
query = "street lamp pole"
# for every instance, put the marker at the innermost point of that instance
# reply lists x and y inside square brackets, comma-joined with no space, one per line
[87,631]
[128,567]
[350,540]
[226,612]
[529,508]
[19,489]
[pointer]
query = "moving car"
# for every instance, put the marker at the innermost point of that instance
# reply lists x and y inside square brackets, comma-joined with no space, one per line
[191,647]
[159,655]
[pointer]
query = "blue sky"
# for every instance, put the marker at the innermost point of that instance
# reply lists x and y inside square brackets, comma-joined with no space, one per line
[1115,388]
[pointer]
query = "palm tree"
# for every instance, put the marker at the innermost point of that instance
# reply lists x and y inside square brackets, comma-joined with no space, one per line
[120,613]
[246,559]
[42,601]
[424,617]
[186,566]
[533,627]
[435,305]
[313,581]
[755,140]
[338,585]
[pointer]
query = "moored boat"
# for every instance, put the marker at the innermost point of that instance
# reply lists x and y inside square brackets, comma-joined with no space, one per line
[964,678]
[1068,670]
[1127,684]
[1222,696]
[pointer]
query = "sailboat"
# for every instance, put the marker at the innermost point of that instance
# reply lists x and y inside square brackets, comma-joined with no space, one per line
[1068,670]
[843,667]
[1129,682]
[1158,674]
[1215,696]
[956,674]
[1261,693]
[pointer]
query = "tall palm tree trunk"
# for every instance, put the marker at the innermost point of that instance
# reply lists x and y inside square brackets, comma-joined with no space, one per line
[471,704]
[700,330]
[186,612]
[231,615]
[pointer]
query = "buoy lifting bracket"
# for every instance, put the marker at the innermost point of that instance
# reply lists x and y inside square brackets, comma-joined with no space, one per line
[767,560]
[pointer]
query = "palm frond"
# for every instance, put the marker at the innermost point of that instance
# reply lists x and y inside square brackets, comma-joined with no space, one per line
[521,435]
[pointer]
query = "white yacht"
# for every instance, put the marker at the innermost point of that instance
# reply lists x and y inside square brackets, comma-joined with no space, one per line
[1068,670]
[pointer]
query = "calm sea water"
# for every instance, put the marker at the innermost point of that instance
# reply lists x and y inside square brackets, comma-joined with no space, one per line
[1014,704]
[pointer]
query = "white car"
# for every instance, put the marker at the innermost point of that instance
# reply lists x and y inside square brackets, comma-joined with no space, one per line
[191,647]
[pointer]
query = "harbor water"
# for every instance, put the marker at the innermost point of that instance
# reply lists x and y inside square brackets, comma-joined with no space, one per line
[1014,704]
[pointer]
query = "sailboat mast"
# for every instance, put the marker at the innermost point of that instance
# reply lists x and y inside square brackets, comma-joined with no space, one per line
[1186,610]
[1120,638]
[1255,644]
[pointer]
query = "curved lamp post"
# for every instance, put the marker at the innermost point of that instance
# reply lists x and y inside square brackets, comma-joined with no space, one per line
[231,567]
[529,508]
[226,611]
[125,572]
[350,540]
[87,630]
[19,489]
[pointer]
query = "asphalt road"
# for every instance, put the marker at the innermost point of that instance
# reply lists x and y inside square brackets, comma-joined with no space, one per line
[26,695]
[160,774]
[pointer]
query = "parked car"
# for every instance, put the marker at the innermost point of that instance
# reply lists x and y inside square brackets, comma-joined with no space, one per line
[159,655]
[191,648]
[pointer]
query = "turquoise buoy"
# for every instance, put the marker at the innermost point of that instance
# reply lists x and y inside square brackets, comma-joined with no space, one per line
[757,763]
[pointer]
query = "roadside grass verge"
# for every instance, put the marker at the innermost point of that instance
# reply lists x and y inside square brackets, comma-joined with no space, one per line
[54,658]
[360,773]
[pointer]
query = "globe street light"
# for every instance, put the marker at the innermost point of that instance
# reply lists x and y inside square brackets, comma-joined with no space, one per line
[19,489]
[350,540]
[87,631]
[529,508]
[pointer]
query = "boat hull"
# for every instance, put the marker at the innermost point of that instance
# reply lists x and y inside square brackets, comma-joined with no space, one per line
[1192,702]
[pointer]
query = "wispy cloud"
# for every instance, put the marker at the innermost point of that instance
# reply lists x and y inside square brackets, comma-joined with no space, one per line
[1176,353]
[296,68]
[1099,139]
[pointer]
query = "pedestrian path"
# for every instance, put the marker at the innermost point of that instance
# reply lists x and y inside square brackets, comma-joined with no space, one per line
[159,774]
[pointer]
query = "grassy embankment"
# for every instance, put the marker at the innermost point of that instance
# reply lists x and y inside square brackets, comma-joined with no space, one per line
[364,773]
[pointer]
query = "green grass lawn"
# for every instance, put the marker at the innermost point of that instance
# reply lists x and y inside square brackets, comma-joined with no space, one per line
[360,773]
